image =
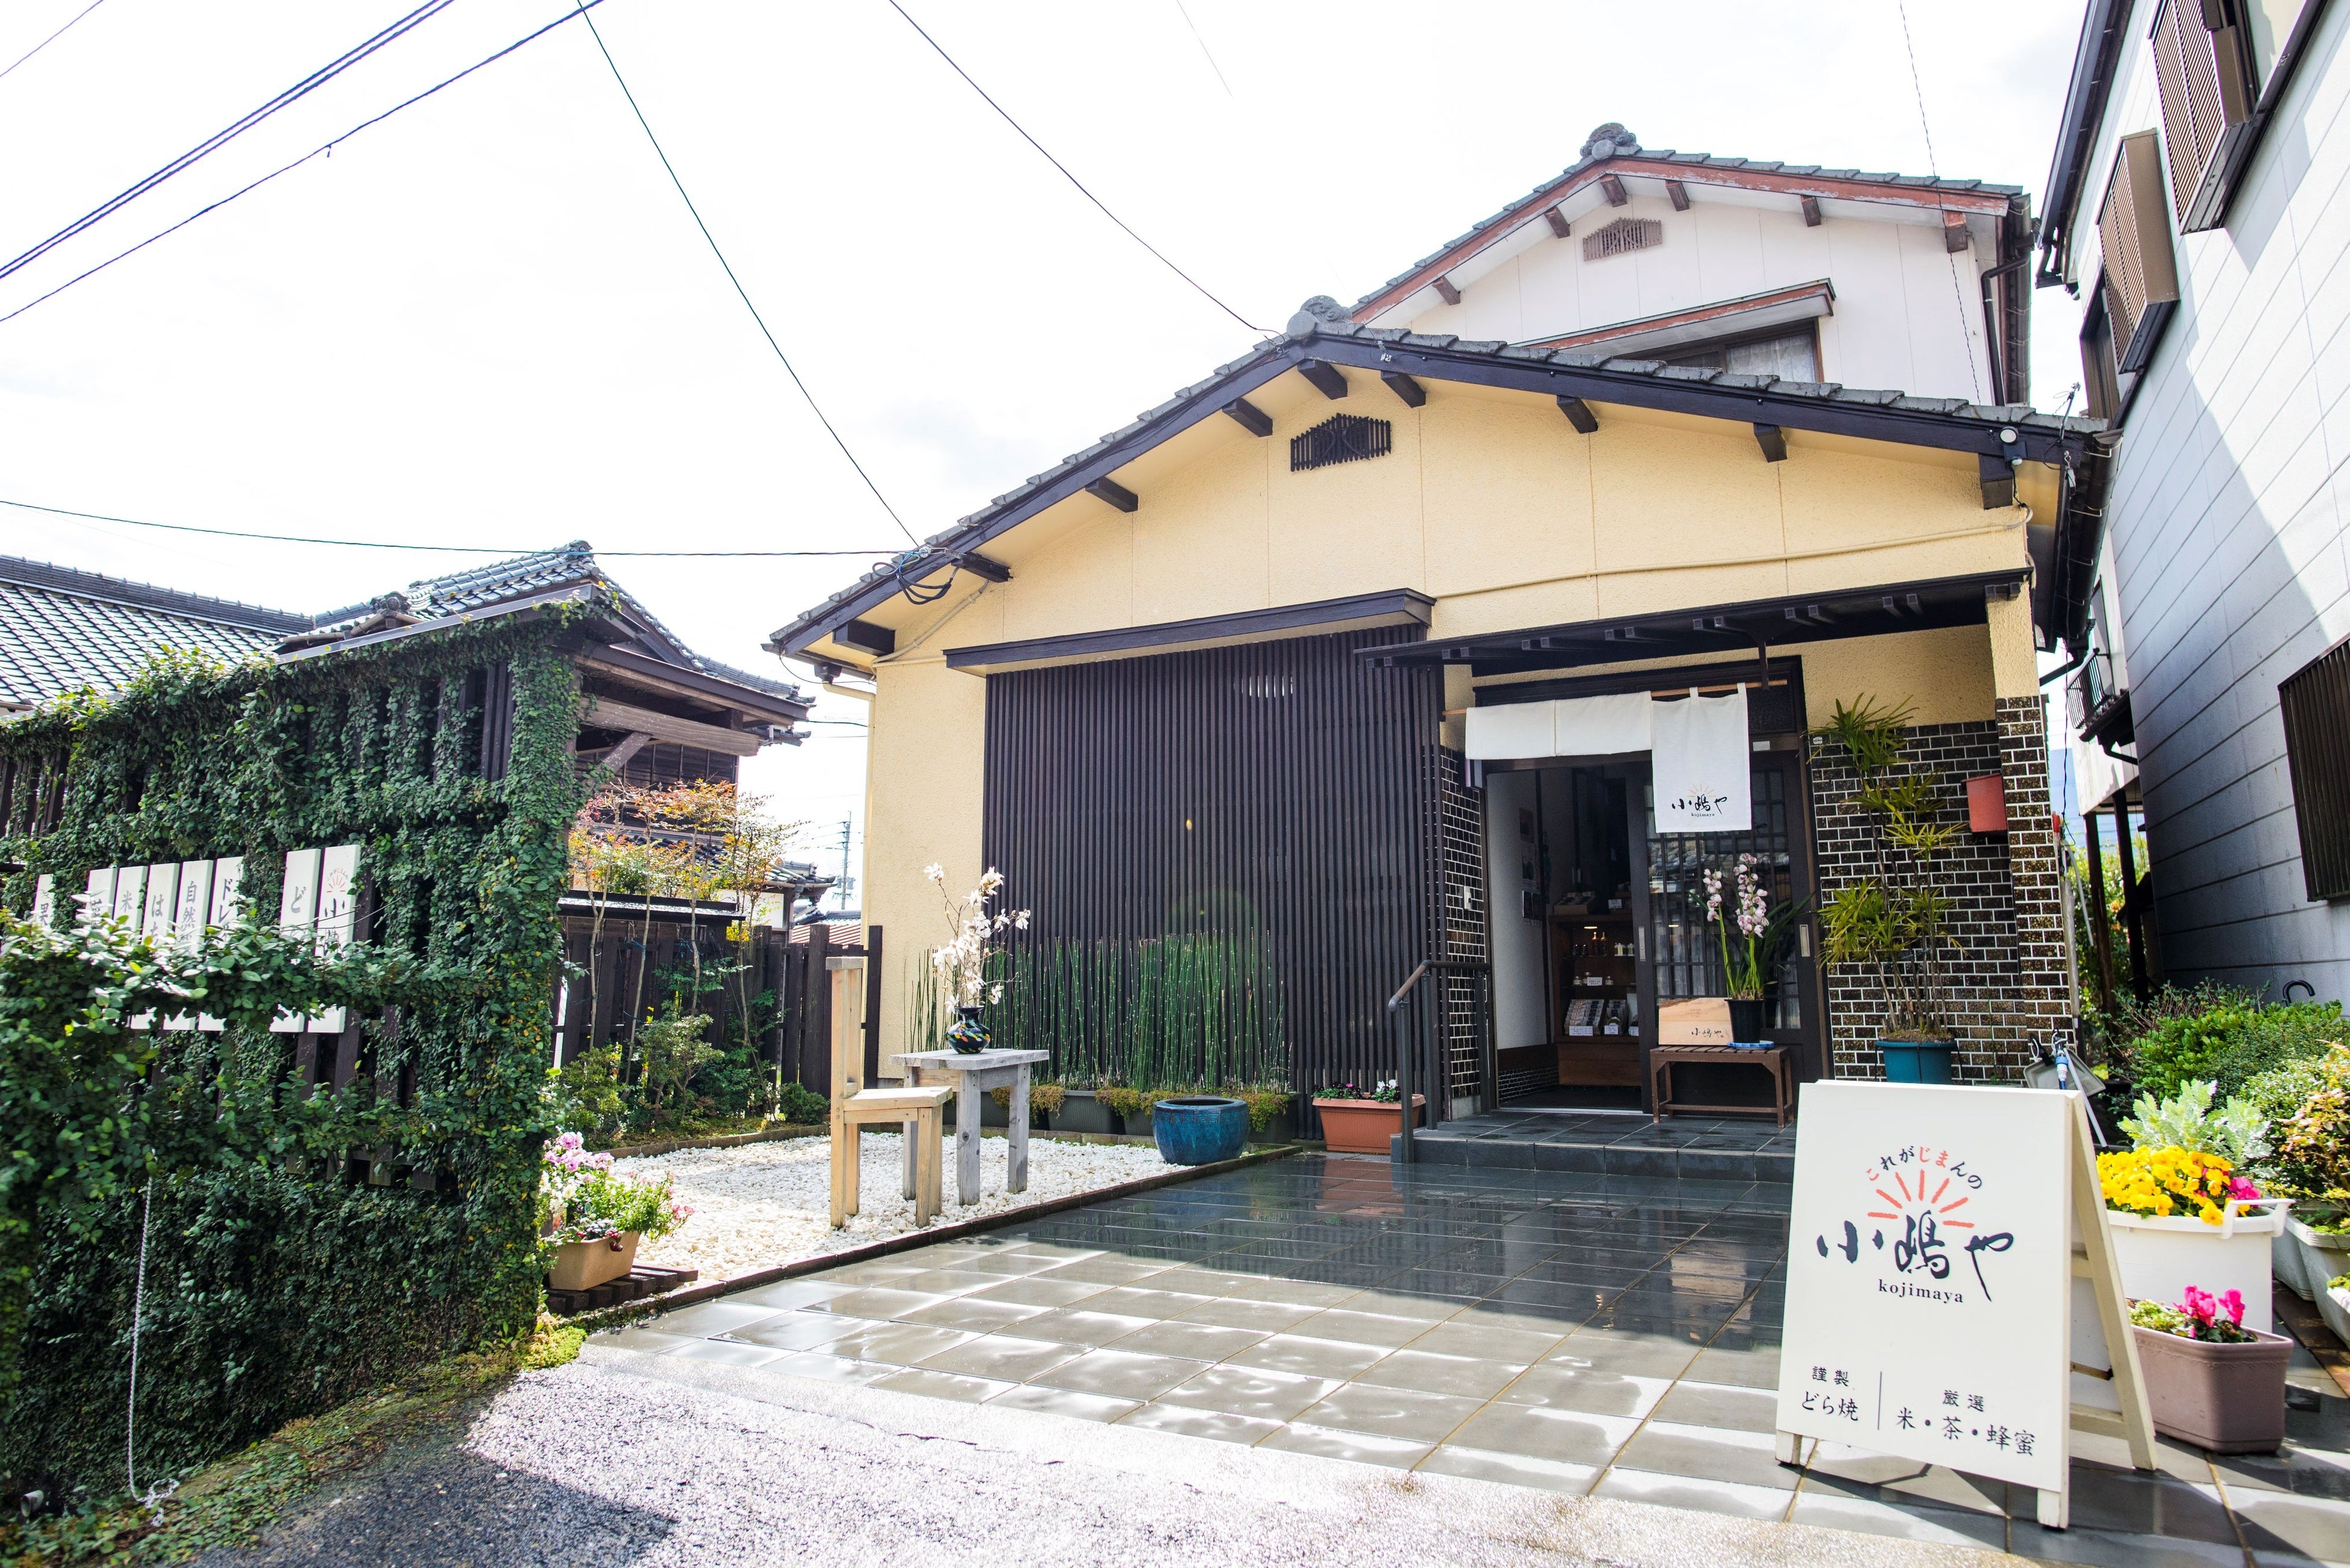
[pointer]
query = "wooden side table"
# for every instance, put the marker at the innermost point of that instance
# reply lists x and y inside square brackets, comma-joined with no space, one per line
[1779,1061]
[974,1075]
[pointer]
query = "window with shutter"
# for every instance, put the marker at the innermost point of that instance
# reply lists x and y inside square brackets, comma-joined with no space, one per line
[2142,280]
[2315,702]
[2200,69]
[2101,380]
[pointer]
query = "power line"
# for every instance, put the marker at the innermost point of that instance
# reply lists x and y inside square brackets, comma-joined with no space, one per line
[740,293]
[1185,12]
[222,138]
[1966,328]
[437,549]
[323,148]
[53,38]
[1072,179]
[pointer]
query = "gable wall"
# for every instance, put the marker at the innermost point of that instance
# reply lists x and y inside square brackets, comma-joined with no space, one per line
[1492,504]
[1902,318]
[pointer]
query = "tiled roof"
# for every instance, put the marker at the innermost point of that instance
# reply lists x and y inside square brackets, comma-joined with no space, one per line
[61,629]
[1323,318]
[1612,141]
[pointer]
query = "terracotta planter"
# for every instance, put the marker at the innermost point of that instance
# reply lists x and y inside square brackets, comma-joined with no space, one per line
[1363,1126]
[2162,1255]
[2227,1398]
[584,1265]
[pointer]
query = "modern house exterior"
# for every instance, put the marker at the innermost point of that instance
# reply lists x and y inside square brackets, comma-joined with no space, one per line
[2194,207]
[1308,658]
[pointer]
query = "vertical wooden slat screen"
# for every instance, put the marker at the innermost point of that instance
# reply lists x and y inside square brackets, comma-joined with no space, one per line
[1276,793]
[2315,704]
[2141,273]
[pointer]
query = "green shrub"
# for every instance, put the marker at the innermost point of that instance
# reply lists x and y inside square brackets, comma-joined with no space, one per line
[584,1095]
[2276,1036]
[2312,1157]
[2178,1050]
[800,1105]
[2236,1132]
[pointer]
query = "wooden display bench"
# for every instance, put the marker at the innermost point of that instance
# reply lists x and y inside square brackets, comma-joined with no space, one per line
[1779,1061]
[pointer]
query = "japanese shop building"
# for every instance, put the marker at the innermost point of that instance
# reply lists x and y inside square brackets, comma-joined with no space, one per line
[1306,655]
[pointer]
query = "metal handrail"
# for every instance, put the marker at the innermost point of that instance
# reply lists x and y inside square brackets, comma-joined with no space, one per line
[1405,990]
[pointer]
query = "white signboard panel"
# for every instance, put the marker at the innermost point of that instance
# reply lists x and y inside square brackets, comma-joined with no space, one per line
[188,914]
[297,912]
[162,903]
[338,889]
[98,896]
[1704,766]
[227,872]
[45,901]
[131,894]
[1930,1277]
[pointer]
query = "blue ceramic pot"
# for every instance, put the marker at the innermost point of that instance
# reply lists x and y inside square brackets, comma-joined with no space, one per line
[968,1034]
[1200,1129]
[1917,1061]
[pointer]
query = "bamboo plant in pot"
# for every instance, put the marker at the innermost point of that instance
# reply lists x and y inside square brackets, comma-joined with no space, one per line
[1890,920]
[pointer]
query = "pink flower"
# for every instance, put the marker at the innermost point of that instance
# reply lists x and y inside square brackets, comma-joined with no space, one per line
[2233,1303]
[2201,1306]
[2241,1187]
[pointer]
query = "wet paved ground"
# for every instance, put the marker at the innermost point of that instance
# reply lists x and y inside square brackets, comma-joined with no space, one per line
[1706,1148]
[1609,1336]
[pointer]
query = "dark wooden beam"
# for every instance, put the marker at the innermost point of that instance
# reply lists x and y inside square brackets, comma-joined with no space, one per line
[864,637]
[1117,494]
[1445,291]
[1326,379]
[1679,194]
[1578,414]
[1811,211]
[1774,443]
[979,565]
[1557,222]
[1404,387]
[1954,232]
[1613,189]
[1998,480]
[1249,417]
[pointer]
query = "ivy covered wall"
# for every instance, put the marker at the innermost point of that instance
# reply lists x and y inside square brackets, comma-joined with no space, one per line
[398,1225]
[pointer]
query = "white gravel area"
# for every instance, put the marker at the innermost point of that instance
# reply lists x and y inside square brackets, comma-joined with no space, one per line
[759,1204]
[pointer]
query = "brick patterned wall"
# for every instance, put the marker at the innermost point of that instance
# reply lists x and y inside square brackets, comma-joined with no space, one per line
[1461,880]
[2004,986]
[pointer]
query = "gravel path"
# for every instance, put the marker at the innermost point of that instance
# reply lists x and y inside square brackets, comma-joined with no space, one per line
[763,1203]
[656,1460]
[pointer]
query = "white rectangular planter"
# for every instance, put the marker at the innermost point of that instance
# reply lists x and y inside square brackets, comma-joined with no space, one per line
[2162,1255]
[2318,1256]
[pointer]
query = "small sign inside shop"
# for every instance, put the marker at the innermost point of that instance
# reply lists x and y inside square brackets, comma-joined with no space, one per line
[1930,1277]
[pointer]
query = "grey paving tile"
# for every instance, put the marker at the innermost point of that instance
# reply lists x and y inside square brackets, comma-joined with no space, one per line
[707,1318]
[1075,1326]
[1363,1328]
[1512,1469]
[898,1344]
[2309,1471]
[726,1351]
[1432,1373]
[943,1385]
[1592,1390]
[1038,1292]
[643,1339]
[1363,1448]
[1737,1368]
[1856,1472]
[1695,1404]
[978,1316]
[787,1295]
[1308,1356]
[1209,1282]
[1299,1292]
[880,1272]
[1003,1357]
[1131,1301]
[1391,1412]
[1487,1342]
[879,1302]
[2136,1503]
[1545,1432]
[1633,1354]
[1107,1269]
[1238,1312]
[1743,1458]
[1694,1492]
[1196,1341]
[830,1368]
[1065,1402]
[1012,1262]
[946,1282]
[1904,1519]
[1119,1374]
[2117,1549]
[1386,1302]
[799,1330]
[2275,1521]
[1195,1423]
[1250,1391]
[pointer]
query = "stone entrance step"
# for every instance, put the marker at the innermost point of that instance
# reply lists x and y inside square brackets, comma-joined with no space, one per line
[1696,1148]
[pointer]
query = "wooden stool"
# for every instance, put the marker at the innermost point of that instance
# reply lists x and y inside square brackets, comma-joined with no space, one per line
[919,1112]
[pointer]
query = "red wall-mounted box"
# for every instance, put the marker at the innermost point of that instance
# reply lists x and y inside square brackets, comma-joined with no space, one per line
[1987,804]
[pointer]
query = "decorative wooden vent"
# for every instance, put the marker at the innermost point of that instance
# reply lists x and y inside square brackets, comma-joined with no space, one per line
[1625,234]
[1341,438]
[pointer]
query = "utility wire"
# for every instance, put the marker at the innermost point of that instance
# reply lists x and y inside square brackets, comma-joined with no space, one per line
[53,38]
[1072,179]
[739,292]
[1185,12]
[437,549]
[228,133]
[1958,290]
[322,149]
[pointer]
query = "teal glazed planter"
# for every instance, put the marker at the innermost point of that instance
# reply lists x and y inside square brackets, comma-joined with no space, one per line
[1917,1061]
[1200,1129]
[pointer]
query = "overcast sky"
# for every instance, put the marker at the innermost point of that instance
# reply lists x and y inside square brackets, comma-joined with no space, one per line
[488,321]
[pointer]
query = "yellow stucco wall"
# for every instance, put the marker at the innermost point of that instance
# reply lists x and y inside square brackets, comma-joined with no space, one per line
[1492,504]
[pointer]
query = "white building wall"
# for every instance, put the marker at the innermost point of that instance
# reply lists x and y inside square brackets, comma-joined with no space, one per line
[2229,563]
[1908,314]
[1517,945]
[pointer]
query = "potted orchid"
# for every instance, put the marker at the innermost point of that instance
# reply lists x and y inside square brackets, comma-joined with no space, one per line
[961,965]
[1749,961]
[2212,1381]
[590,1218]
